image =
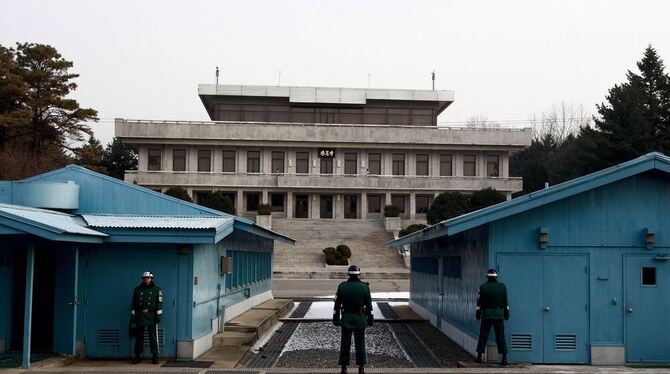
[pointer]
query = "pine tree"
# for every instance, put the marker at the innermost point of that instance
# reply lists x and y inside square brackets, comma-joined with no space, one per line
[119,157]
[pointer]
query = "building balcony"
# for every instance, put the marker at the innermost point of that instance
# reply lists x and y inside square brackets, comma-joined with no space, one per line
[324,182]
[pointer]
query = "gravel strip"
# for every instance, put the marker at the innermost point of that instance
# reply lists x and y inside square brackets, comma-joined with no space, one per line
[324,358]
[448,352]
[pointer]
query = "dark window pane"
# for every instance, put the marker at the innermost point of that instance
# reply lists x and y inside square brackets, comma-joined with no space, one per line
[469,165]
[179,160]
[375,163]
[204,160]
[154,159]
[398,164]
[399,202]
[326,208]
[492,166]
[350,163]
[253,199]
[228,161]
[648,276]
[423,202]
[277,200]
[422,164]
[374,203]
[326,166]
[277,162]
[253,162]
[445,165]
[302,162]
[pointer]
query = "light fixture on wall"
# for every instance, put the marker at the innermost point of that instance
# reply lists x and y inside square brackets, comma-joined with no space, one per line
[543,237]
[649,238]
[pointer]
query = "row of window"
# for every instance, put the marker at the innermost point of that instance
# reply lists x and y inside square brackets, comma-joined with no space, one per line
[248,267]
[326,164]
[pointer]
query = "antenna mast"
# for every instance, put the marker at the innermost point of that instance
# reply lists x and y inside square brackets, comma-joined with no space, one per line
[432,76]
[217,75]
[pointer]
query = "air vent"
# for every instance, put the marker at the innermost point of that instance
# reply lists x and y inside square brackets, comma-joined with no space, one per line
[521,342]
[108,337]
[161,341]
[565,342]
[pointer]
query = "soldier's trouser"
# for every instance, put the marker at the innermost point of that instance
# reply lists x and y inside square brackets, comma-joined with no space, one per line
[153,339]
[498,328]
[345,346]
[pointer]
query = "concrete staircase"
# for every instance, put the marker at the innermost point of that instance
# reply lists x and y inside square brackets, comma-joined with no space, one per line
[305,259]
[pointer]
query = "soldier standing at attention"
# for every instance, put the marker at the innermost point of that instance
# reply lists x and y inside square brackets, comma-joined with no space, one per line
[147,310]
[354,303]
[492,308]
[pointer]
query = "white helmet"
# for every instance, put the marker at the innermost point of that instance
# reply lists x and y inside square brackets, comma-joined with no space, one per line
[147,274]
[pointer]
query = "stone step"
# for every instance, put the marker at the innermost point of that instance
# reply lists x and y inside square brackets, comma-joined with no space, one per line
[329,273]
[233,339]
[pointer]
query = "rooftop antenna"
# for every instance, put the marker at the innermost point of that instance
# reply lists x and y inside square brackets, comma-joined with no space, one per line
[432,76]
[368,80]
[279,79]
[217,75]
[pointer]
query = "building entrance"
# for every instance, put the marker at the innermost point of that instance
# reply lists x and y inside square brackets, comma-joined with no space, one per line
[350,206]
[301,206]
[326,208]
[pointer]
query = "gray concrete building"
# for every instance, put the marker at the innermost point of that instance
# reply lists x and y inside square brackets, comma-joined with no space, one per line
[322,153]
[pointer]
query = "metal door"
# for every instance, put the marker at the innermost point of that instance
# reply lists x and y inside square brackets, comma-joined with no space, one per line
[647,304]
[350,206]
[111,276]
[566,309]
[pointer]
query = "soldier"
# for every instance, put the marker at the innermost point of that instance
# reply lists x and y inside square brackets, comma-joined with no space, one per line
[354,302]
[492,308]
[147,310]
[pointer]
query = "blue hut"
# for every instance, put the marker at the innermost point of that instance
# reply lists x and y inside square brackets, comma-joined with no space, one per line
[586,263]
[74,243]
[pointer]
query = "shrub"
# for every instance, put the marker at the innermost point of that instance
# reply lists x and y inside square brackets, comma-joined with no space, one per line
[332,259]
[391,211]
[411,228]
[329,250]
[264,209]
[344,250]
[485,197]
[219,201]
[447,205]
[179,193]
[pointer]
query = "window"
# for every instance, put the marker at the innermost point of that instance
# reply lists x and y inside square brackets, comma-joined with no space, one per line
[445,165]
[350,163]
[398,164]
[253,162]
[179,160]
[277,200]
[375,203]
[204,160]
[649,276]
[399,202]
[277,162]
[469,165]
[375,163]
[154,159]
[452,267]
[200,196]
[326,166]
[253,199]
[492,166]
[423,202]
[302,162]
[228,161]
[421,164]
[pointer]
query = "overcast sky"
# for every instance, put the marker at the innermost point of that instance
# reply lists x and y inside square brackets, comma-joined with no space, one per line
[504,59]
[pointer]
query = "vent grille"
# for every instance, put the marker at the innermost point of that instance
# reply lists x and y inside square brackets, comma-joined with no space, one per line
[108,337]
[161,341]
[565,342]
[521,342]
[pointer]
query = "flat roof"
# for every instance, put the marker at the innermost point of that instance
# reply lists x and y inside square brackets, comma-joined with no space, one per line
[327,95]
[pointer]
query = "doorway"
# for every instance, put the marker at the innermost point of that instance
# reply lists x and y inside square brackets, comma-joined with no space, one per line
[326,210]
[350,206]
[301,206]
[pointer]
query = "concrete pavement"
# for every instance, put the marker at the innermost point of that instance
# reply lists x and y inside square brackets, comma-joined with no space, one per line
[306,288]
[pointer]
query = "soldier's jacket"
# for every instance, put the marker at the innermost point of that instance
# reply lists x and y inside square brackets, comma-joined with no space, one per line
[492,300]
[147,306]
[353,300]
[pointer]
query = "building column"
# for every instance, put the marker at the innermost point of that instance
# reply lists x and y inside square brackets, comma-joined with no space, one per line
[412,205]
[192,161]
[143,158]
[387,200]
[28,306]
[387,163]
[239,202]
[364,205]
[315,206]
[289,204]
[264,197]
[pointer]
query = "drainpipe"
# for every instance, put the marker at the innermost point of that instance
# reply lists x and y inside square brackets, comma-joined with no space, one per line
[28,308]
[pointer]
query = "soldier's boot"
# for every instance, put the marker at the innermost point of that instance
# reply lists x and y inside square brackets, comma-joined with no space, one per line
[361,370]
[136,360]
[154,360]
[503,362]
[344,369]
[479,358]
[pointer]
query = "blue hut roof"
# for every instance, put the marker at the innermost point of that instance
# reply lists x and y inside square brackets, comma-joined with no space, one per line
[642,164]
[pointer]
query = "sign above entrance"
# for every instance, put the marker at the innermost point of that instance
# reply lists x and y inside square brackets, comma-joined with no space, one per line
[326,153]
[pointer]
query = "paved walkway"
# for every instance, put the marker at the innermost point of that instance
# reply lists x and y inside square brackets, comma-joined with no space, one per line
[305,288]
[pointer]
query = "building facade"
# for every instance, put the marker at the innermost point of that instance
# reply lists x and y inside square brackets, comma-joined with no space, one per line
[586,264]
[322,153]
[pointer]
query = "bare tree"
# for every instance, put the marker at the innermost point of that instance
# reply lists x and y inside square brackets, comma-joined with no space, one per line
[480,121]
[561,121]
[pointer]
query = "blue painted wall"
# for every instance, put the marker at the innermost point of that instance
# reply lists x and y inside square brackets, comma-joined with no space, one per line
[5,287]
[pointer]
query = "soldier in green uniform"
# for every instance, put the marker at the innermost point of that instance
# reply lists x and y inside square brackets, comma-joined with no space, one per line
[146,312]
[492,308]
[354,303]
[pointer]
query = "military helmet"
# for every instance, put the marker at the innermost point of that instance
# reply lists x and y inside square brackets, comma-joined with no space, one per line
[147,274]
[354,270]
[492,273]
